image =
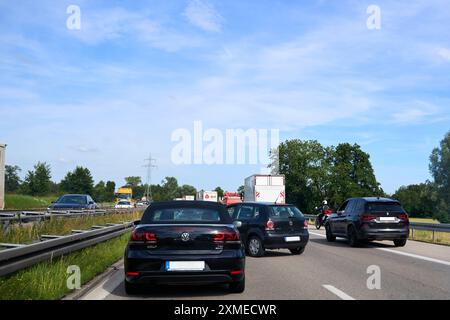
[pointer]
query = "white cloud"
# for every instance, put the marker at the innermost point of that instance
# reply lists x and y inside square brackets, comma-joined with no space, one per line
[202,14]
[417,112]
[444,53]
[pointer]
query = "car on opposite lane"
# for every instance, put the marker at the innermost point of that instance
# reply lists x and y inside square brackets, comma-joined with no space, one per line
[74,202]
[367,219]
[270,226]
[185,242]
[124,204]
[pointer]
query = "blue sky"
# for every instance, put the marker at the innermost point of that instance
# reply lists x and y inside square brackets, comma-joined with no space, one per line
[106,95]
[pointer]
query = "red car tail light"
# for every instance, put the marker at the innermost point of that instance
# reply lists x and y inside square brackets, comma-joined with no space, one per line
[138,235]
[368,217]
[305,224]
[226,236]
[403,216]
[270,226]
[234,272]
[132,274]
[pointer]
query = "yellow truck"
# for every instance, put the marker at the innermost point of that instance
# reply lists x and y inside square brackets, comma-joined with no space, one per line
[124,193]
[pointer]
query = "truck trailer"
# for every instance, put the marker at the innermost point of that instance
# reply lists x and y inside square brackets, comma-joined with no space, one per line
[265,188]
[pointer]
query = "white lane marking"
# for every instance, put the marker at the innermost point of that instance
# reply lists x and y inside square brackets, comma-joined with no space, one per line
[412,255]
[341,294]
[104,288]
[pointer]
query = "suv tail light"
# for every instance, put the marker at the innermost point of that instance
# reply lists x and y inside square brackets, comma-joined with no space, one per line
[305,224]
[226,236]
[367,217]
[403,216]
[270,226]
[142,236]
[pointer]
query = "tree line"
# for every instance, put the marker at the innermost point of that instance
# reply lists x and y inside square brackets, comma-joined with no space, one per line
[314,173]
[38,182]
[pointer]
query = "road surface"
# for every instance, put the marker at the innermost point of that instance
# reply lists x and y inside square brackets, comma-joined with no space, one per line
[324,271]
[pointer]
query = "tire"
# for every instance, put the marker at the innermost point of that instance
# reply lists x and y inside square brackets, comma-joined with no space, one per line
[317,224]
[330,236]
[237,287]
[131,288]
[255,247]
[351,237]
[297,251]
[399,242]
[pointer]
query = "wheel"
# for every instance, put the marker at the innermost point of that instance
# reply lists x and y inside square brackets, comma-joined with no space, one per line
[297,251]
[352,238]
[317,224]
[131,288]
[399,242]
[330,236]
[255,247]
[237,287]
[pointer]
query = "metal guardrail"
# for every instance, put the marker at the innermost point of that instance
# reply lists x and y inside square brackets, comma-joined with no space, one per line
[434,227]
[29,216]
[15,257]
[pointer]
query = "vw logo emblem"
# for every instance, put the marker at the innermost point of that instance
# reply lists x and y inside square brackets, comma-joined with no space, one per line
[185,236]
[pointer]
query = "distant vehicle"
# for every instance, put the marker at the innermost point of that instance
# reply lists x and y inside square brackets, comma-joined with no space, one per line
[184,242]
[270,226]
[124,205]
[142,203]
[264,188]
[189,198]
[74,202]
[203,195]
[124,193]
[367,219]
[231,198]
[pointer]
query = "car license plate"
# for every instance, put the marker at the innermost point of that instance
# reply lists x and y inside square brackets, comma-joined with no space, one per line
[387,219]
[291,239]
[185,265]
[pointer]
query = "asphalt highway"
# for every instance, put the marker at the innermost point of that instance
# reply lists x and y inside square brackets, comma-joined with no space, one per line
[324,271]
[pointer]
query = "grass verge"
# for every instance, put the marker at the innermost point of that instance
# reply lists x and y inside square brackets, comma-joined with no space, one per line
[427,236]
[23,202]
[29,232]
[48,280]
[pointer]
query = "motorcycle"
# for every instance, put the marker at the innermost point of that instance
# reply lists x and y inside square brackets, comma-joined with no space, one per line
[320,220]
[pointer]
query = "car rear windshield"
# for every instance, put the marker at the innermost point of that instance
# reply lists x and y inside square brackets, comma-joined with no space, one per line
[72,200]
[384,207]
[284,212]
[183,215]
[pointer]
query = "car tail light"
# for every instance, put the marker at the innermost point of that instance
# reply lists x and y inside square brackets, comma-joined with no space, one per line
[403,216]
[328,211]
[270,226]
[234,272]
[143,236]
[305,224]
[368,217]
[226,236]
[132,274]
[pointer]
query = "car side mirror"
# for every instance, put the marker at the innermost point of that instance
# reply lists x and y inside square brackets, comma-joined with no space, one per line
[237,223]
[137,222]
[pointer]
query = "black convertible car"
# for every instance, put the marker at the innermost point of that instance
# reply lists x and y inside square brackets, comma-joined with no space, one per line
[185,242]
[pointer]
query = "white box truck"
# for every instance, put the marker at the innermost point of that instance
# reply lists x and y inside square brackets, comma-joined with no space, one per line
[207,196]
[265,188]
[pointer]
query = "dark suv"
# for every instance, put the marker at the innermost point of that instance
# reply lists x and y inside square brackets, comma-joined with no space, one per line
[359,219]
[270,226]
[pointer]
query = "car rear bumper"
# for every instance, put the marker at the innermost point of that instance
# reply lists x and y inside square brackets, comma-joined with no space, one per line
[384,234]
[221,268]
[278,241]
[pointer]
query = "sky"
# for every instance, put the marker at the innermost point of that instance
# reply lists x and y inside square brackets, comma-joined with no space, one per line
[106,95]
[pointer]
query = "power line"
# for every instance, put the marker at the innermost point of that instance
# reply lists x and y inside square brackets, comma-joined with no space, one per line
[149,165]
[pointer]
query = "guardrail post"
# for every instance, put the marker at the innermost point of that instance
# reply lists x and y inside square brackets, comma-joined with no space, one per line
[433,236]
[2,176]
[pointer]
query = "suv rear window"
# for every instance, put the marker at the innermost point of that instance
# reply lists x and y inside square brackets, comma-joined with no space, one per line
[384,207]
[284,212]
[180,214]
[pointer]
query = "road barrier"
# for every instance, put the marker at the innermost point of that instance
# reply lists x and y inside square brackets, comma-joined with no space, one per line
[15,257]
[20,216]
[433,227]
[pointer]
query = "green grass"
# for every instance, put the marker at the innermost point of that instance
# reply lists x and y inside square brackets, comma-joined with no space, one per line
[427,236]
[47,280]
[29,232]
[22,202]
[425,220]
